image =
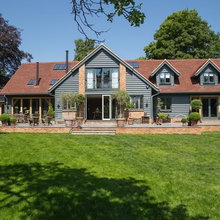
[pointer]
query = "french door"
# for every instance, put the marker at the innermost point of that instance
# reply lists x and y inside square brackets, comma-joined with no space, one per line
[210,108]
[106,107]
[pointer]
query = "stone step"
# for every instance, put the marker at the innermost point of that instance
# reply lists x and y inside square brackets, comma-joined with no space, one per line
[94,128]
[96,132]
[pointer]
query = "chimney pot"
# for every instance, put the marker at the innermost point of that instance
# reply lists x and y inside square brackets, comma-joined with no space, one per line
[67,62]
[37,74]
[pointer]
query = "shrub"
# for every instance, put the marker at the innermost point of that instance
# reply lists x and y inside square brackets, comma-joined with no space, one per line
[184,120]
[196,104]
[194,116]
[13,119]
[130,105]
[50,111]
[4,117]
[162,116]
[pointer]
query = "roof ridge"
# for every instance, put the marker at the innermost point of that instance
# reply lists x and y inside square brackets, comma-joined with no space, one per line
[51,62]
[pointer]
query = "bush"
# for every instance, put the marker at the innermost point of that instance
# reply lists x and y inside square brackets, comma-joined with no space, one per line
[13,119]
[184,120]
[162,116]
[196,104]
[130,105]
[194,116]
[50,111]
[4,117]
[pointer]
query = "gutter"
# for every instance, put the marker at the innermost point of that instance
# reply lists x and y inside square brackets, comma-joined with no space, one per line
[152,109]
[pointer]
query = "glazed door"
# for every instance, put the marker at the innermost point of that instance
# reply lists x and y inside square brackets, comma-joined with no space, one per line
[210,108]
[106,107]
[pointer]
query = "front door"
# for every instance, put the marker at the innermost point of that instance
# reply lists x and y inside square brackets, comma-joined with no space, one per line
[106,107]
[210,108]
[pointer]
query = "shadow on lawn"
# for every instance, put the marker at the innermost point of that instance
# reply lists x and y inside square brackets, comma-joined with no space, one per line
[53,191]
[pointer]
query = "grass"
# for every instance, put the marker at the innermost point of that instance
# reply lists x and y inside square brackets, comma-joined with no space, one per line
[61,176]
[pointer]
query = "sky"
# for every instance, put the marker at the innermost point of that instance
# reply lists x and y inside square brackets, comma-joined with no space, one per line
[48,28]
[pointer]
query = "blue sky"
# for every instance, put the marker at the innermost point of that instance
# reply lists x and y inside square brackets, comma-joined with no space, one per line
[48,28]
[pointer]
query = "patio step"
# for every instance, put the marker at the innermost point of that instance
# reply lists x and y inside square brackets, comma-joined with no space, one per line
[91,131]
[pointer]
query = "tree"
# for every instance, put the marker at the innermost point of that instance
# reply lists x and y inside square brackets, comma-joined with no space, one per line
[83,9]
[185,35]
[83,48]
[10,54]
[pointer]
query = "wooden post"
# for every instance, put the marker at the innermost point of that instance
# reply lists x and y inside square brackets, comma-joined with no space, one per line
[12,106]
[21,106]
[30,107]
[40,109]
[0,108]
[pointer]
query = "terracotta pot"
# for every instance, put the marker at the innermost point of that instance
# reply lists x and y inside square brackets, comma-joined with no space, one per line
[69,114]
[13,123]
[194,123]
[130,121]
[4,123]
[120,122]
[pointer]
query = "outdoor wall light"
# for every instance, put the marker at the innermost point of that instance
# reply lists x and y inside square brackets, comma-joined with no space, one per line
[147,87]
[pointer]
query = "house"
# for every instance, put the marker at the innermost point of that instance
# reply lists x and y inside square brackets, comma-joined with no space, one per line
[176,82]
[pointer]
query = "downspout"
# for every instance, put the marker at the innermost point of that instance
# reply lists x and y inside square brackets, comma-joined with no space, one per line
[152,109]
[6,102]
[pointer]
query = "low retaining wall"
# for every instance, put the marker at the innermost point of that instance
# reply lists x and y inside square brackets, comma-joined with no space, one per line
[170,130]
[36,130]
[133,130]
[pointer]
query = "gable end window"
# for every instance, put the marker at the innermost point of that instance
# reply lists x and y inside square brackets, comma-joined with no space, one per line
[102,78]
[208,78]
[165,79]
[137,100]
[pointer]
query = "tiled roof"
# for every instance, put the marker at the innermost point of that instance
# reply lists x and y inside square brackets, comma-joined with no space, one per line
[18,83]
[186,82]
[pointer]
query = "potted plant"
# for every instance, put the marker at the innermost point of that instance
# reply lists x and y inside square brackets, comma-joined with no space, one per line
[69,109]
[4,118]
[184,121]
[122,98]
[194,117]
[162,117]
[80,99]
[13,121]
[129,107]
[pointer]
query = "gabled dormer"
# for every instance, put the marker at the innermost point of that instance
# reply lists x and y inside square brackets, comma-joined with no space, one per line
[165,74]
[208,74]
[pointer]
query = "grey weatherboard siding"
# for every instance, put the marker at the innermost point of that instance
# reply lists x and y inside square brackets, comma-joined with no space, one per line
[180,105]
[136,86]
[102,59]
[71,84]
[209,69]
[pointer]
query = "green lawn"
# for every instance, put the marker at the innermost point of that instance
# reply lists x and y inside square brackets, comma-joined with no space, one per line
[61,176]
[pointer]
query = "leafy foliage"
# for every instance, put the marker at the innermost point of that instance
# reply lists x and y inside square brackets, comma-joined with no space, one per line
[162,116]
[185,35]
[50,111]
[13,119]
[4,117]
[68,99]
[83,48]
[122,98]
[10,54]
[196,104]
[85,9]
[194,116]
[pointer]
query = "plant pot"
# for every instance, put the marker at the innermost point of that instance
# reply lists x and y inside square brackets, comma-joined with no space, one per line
[4,123]
[69,122]
[13,123]
[194,123]
[69,114]
[120,122]
[130,121]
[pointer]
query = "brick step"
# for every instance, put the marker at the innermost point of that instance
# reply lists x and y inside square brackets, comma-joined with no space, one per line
[96,132]
[99,122]
[95,129]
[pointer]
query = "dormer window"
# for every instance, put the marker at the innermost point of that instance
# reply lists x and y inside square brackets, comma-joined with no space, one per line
[208,78]
[165,78]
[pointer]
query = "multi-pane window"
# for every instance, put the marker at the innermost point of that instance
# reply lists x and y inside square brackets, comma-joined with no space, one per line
[166,103]
[208,78]
[137,100]
[165,78]
[102,78]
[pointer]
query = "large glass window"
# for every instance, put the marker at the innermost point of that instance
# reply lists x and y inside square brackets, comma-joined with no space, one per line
[102,78]
[208,78]
[165,78]
[137,100]
[166,103]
